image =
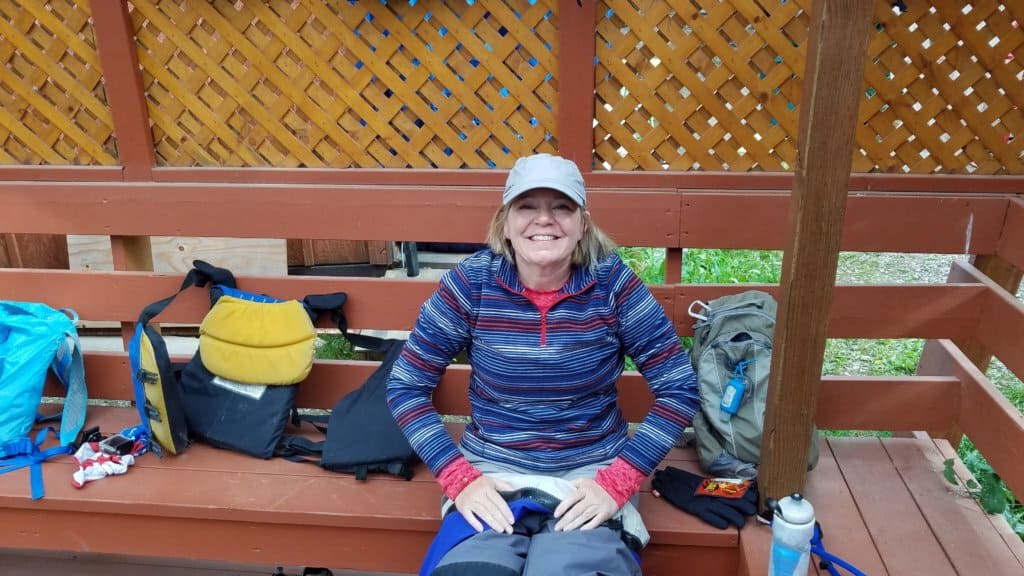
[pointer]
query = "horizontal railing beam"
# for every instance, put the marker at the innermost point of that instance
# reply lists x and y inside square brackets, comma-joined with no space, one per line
[873,222]
[445,214]
[633,217]
[845,402]
[858,311]
[955,184]
[994,425]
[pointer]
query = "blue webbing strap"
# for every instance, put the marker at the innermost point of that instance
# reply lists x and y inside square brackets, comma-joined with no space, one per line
[827,559]
[24,453]
[138,385]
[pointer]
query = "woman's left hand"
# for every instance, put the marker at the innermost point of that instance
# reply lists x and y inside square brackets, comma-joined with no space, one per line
[586,508]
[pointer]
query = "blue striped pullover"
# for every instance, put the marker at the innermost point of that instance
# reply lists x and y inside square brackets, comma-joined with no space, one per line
[542,389]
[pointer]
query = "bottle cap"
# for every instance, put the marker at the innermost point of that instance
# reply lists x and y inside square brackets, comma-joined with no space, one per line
[795,509]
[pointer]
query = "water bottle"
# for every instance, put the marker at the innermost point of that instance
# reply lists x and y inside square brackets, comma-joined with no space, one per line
[792,530]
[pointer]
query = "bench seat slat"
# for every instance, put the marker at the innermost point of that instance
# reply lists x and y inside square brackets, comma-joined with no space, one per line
[198,485]
[122,531]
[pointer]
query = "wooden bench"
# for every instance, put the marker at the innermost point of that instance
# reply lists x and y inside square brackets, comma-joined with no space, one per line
[214,505]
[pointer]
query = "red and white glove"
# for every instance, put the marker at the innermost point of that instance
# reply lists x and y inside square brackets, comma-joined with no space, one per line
[96,460]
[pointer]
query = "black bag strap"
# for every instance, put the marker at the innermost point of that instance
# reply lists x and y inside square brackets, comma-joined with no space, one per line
[369,342]
[303,450]
[299,449]
[394,467]
[333,304]
[319,421]
[400,469]
[200,275]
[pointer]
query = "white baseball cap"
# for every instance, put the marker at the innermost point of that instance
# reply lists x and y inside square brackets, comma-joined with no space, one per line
[545,171]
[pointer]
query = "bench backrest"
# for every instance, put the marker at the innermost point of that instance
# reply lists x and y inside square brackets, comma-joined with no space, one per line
[955,222]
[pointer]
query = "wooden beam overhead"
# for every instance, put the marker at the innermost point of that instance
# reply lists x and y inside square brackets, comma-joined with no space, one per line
[942,224]
[576,82]
[115,43]
[828,115]
[676,179]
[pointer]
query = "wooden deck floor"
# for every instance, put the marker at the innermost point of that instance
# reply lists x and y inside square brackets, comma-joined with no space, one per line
[885,507]
[883,504]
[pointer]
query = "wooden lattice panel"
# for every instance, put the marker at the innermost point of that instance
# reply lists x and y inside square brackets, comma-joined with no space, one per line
[349,84]
[709,85]
[945,89]
[53,109]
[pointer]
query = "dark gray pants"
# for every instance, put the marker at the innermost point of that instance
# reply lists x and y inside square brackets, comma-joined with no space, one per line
[535,549]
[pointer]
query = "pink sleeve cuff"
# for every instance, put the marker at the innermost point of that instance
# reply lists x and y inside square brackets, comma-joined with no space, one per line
[457,476]
[620,480]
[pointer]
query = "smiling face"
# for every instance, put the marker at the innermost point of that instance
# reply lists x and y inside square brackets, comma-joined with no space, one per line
[543,226]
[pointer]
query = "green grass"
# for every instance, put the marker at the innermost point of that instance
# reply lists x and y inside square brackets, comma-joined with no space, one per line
[333,347]
[980,469]
[857,357]
[648,263]
[715,266]
[707,265]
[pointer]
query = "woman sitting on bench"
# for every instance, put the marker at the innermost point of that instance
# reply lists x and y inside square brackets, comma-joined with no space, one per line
[547,475]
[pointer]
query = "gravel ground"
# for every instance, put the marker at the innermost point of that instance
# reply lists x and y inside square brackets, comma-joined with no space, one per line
[881,268]
[885,267]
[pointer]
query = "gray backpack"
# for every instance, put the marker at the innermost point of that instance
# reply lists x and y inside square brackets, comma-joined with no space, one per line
[732,356]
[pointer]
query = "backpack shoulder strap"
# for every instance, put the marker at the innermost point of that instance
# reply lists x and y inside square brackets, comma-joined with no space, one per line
[69,366]
[333,304]
[200,275]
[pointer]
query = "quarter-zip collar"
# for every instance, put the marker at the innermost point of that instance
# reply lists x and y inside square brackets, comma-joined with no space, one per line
[579,279]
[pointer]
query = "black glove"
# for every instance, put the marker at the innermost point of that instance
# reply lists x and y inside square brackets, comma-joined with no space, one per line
[679,487]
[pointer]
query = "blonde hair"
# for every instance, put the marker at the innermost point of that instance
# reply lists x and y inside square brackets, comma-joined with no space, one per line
[593,246]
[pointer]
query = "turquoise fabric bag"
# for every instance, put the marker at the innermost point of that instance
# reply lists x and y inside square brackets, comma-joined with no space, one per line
[35,339]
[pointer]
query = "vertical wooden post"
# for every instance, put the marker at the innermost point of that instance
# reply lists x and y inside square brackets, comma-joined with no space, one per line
[673,265]
[935,361]
[576,33]
[115,43]
[131,253]
[832,88]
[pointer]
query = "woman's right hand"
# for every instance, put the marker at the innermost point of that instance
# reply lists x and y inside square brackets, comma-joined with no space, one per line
[480,500]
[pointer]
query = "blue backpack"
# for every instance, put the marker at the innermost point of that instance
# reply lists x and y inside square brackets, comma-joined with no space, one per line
[35,339]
